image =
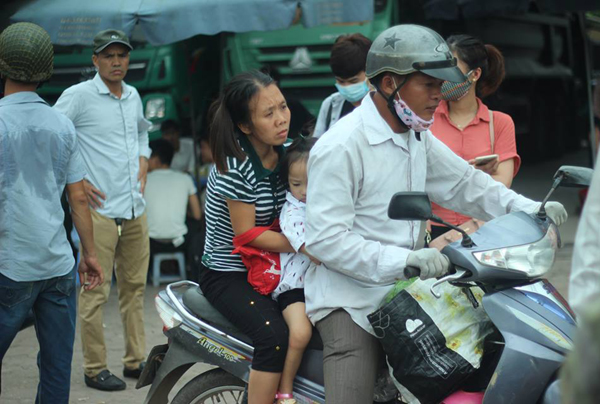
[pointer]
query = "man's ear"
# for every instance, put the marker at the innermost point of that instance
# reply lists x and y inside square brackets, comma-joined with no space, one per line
[389,83]
[245,128]
[95,60]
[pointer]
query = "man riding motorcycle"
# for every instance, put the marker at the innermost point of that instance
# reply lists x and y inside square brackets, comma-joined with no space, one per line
[383,147]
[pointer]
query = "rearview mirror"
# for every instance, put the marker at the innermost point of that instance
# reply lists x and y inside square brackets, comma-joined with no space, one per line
[575,177]
[410,206]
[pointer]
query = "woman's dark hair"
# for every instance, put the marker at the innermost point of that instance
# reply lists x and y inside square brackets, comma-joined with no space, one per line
[231,109]
[349,55]
[475,54]
[297,151]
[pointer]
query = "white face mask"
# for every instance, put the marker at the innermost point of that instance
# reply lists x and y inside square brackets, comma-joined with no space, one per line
[407,115]
[353,92]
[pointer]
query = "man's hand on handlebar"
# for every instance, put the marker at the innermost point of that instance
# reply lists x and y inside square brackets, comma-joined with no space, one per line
[557,212]
[430,262]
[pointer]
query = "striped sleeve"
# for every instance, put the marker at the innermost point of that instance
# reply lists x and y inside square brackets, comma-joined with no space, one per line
[234,185]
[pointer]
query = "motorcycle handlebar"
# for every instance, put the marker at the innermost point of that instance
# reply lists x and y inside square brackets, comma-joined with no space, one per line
[411,272]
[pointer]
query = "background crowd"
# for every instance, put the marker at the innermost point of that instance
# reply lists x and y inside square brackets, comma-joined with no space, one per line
[131,199]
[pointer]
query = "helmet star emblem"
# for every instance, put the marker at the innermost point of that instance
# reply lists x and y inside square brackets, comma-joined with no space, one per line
[391,41]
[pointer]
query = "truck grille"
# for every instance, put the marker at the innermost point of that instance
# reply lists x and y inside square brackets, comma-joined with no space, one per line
[314,83]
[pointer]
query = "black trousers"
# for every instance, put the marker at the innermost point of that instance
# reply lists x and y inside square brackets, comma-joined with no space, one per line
[258,316]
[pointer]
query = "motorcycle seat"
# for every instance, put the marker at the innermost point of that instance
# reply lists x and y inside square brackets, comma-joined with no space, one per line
[195,301]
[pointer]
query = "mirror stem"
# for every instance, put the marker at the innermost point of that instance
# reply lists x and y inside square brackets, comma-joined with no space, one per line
[466,240]
[542,211]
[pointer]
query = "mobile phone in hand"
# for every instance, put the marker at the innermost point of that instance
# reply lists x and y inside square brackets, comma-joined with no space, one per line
[481,160]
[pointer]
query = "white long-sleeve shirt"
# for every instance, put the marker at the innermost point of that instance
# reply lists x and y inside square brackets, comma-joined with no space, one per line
[584,285]
[112,134]
[354,170]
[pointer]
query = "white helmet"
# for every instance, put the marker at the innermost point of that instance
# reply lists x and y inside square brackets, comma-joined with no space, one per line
[408,48]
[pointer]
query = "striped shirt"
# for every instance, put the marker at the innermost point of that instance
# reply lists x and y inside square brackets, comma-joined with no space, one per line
[245,181]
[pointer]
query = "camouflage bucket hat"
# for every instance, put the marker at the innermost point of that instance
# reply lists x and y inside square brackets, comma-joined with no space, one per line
[26,53]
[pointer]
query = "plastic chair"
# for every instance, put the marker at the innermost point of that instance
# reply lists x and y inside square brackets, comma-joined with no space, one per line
[157,278]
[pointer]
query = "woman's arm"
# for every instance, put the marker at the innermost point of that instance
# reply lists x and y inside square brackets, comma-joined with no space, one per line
[505,172]
[506,147]
[243,217]
[194,207]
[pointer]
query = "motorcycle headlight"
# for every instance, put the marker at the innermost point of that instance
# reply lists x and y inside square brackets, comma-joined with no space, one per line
[534,259]
[155,108]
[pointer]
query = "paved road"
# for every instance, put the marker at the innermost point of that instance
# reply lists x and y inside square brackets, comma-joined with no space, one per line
[19,372]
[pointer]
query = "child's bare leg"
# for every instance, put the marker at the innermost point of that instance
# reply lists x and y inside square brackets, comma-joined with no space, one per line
[300,333]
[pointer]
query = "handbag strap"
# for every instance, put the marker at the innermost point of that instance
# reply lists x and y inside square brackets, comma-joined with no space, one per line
[492,137]
[328,119]
[248,236]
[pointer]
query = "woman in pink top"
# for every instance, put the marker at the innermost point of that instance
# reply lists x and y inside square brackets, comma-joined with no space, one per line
[466,125]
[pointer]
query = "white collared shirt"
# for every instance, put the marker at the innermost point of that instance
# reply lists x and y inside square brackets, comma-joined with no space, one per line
[112,134]
[351,179]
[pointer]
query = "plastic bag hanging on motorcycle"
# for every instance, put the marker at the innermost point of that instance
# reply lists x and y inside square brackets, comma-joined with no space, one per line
[264,267]
[432,345]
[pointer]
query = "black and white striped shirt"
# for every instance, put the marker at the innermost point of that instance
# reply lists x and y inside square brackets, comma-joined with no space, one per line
[245,181]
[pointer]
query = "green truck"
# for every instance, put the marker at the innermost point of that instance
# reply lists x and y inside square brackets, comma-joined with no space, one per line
[546,89]
[299,55]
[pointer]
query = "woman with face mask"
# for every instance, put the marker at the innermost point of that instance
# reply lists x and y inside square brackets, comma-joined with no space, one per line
[347,61]
[466,125]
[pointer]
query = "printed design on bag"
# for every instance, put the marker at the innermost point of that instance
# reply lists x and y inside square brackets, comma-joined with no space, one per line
[431,352]
[417,296]
[379,325]
[271,270]
[414,326]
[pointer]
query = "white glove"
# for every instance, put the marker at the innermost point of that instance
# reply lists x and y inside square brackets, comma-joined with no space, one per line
[556,211]
[430,261]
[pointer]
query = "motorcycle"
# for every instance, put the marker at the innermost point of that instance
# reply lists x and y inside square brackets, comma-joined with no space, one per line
[507,258]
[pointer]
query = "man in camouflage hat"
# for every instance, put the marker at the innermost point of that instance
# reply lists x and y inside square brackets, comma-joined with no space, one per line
[113,138]
[38,159]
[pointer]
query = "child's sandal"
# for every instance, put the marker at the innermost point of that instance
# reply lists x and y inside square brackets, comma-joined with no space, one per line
[285,398]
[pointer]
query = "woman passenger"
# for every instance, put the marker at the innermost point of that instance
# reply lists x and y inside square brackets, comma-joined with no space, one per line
[250,124]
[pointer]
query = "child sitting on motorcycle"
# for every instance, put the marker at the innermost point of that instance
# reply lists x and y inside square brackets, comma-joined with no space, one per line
[290,291]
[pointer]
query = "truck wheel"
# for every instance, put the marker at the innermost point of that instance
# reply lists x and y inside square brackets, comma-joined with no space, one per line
[213,386]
